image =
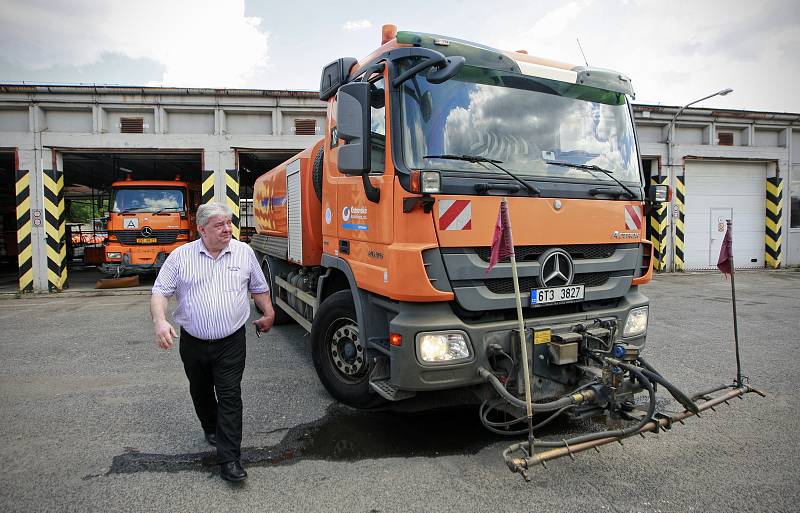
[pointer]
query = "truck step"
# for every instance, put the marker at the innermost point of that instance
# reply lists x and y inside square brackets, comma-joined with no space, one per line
[389,391]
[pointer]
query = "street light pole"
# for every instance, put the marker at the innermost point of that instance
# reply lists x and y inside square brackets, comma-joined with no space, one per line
[670,144]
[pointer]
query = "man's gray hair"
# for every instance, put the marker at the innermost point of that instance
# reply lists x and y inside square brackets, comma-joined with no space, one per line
[209,210]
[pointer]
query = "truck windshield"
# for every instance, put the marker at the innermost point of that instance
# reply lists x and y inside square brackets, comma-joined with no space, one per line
[520,120]
[135,199]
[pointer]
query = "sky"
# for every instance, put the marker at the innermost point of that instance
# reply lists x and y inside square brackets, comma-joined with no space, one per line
[675,52]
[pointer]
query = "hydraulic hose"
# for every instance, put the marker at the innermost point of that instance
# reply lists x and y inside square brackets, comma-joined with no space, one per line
[617,433]
[538,407]
[649,371]
[496,427]
[647,366]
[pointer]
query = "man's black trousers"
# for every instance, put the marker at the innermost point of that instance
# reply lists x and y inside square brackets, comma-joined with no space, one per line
[217,366]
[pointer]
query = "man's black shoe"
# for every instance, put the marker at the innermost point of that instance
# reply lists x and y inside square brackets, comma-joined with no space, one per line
[211,438]
[232,471]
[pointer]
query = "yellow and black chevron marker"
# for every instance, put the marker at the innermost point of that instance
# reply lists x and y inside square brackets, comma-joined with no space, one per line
[232,197]
[680,201]
[207,187]
[658,228]
[25,250]
[773,223]
[54,228]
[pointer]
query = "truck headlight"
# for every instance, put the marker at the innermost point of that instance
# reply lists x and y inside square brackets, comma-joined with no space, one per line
[442,347]
[431,182]
[114,256]
[636,323]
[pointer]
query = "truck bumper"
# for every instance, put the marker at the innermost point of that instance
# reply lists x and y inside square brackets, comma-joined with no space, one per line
[125,267]
[409,373]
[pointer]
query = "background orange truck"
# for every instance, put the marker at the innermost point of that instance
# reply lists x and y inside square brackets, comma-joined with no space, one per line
[377,238]
[147,220]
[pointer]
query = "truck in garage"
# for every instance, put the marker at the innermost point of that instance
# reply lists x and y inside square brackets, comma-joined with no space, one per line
[147,220]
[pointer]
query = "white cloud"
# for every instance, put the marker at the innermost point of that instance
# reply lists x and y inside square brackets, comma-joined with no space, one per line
[354,25]
[200,44]
[674,57]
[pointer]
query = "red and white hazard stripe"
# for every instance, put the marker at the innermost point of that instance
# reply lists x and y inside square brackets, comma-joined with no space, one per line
[455,214]
[633,217]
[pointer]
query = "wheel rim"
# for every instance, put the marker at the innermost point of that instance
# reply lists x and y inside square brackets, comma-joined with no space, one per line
[346,350]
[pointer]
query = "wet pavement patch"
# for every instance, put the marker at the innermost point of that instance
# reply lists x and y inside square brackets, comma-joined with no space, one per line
[342,434]
[345,434]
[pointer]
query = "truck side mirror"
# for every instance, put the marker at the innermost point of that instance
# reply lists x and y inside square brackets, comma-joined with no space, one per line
[658,194]
[334,75]
[353,126]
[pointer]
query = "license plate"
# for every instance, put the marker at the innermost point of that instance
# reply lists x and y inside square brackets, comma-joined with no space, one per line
[556,295]
[148,240]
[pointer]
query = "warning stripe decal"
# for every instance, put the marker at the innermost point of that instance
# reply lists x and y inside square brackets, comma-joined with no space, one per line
[658,228]
[53,181]
[633,217]
[680,201]
[25,251]
[455,215]
[232,198]
[773,223]
[207,187]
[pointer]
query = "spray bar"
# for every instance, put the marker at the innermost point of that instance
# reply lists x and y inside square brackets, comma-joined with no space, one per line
[522,464]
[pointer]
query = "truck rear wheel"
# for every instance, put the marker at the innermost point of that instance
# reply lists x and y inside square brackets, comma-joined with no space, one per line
[340,352]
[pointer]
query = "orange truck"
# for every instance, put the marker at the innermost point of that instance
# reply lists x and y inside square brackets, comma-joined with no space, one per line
[377,239]
[147,220]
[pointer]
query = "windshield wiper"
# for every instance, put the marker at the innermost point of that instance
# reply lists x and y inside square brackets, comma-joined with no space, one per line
[485,160]
[166,208]
[591,167]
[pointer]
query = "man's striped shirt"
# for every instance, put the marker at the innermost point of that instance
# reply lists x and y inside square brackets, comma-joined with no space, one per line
[213,294]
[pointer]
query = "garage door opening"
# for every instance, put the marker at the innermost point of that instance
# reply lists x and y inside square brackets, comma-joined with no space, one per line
[9,265]
[721,190]
[251,165]
[149,196]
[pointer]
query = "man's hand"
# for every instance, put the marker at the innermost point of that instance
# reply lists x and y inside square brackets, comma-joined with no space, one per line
[161,327]
[264,323]
[165,333]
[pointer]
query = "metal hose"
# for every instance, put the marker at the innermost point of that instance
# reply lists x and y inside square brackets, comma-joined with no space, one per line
[618,433]
[505,394]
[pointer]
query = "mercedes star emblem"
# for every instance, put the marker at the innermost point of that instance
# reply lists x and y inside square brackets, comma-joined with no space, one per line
[556,268]
[147,231]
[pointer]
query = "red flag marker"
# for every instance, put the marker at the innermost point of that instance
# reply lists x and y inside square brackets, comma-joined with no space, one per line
[725,260]
[502,245]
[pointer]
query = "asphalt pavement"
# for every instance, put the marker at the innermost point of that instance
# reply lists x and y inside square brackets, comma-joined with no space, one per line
[96,418]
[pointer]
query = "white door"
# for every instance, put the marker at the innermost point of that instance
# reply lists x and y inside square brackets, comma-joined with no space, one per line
[729,188]
[719,223]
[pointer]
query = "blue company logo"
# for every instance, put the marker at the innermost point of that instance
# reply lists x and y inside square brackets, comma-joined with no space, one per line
[272,202]
[354,226]
[346,214]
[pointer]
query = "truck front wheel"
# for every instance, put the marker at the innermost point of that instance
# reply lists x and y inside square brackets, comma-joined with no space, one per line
[339,352]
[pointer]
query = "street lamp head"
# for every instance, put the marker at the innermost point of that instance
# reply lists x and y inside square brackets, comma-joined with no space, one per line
[725,91]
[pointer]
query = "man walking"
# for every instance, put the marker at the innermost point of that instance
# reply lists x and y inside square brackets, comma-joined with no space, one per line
[211,278]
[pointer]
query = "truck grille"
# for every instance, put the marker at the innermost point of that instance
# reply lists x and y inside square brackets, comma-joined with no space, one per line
[162,236]
[527,283]
[577,252]
[605,270]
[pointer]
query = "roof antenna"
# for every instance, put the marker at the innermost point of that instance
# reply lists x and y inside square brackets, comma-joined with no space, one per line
[581,49]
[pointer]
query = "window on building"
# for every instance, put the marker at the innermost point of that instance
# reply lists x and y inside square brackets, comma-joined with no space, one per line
[794,192]
[131,125]
[305,126]
[725,138]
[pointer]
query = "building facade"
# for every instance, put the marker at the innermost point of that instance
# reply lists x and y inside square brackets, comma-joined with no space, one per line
[63,144]
[723,164]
